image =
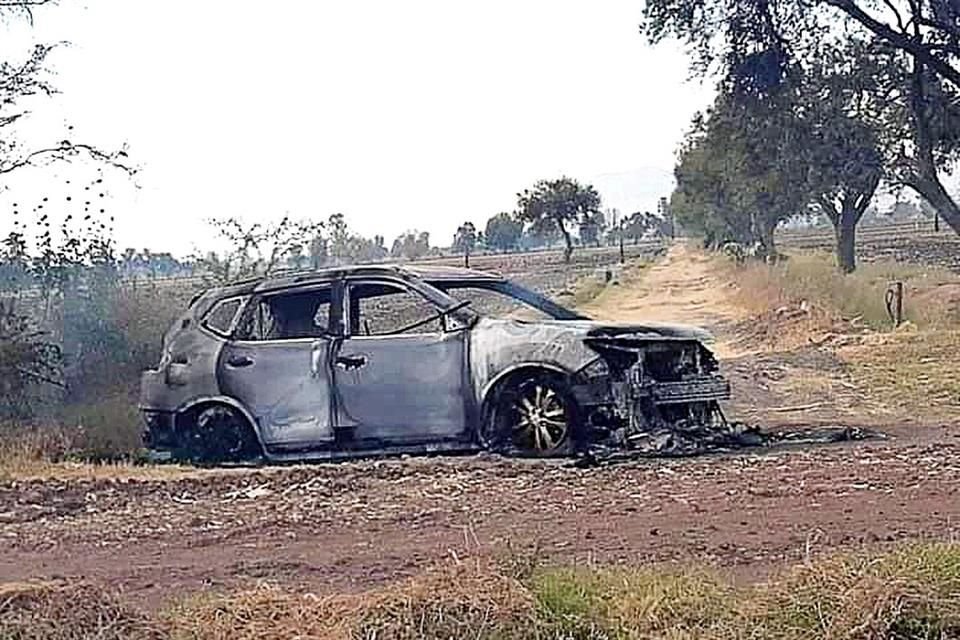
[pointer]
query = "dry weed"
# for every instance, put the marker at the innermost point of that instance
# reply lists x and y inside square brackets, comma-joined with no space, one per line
[58,611]
[454,602]
[810,280]
[914,369]
[913,592]
[37,452]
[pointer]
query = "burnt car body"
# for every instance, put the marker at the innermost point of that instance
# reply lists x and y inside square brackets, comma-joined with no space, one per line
[400,359]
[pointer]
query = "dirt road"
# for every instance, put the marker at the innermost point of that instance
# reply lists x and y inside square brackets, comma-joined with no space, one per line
[344,527]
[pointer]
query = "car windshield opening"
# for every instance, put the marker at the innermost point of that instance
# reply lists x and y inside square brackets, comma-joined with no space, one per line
[506,300]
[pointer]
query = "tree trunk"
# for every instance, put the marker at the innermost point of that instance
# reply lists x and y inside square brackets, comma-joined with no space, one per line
[926,181]
[767,241]
[845,229]
[928,185]
[568,249]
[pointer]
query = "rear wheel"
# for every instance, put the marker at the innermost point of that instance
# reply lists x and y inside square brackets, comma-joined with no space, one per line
[534,416]
[218,433]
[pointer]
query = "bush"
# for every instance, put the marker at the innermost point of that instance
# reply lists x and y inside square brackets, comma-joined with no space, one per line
[27,359]
[108,429]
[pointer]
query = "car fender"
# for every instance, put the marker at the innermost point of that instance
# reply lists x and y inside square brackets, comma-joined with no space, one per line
[532,364]
[226,400]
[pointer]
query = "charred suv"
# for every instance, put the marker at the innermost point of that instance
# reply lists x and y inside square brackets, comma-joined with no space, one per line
[384,359]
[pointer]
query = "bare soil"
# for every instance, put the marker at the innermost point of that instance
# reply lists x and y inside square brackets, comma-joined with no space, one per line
[350,526]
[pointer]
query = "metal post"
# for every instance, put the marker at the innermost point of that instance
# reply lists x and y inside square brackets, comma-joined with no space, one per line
[622,256]
[894,301]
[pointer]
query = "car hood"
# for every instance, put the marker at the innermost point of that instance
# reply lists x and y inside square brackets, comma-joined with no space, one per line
[644,330]
[500,345]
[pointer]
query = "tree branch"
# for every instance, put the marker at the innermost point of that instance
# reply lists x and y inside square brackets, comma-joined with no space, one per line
[26,6]
[896,12]
[829,209]
[65,150]
[908,44]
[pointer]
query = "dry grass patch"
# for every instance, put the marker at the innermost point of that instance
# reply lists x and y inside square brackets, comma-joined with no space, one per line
[592,289]
[461,601]
[915,369]
[28,453]
[911,593]
[812,278]
[804,300]
[57,611]
[626,275]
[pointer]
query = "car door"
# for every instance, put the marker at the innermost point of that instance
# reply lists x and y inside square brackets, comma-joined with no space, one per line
[394,381]
[278,365]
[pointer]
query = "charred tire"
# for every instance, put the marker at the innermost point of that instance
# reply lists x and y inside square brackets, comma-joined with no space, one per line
[217,434]
[533,415]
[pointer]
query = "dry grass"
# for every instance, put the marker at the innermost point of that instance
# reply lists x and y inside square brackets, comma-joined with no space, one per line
[107,429]
[60,611]
[913,592]
[31,453]
[931,296]
[589,289]
[461,601]
[909,369]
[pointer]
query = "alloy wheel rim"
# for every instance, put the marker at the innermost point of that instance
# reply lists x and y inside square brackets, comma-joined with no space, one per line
[541,421]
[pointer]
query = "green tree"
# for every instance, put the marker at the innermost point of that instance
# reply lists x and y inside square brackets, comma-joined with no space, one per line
[411,245]
[591,229]
[641,224]
[339,236]
[465,241]
[503,232]
[742,171]
[757,44]
[558,204]
[843,110]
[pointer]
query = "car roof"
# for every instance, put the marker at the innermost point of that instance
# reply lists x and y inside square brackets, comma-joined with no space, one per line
[431,273]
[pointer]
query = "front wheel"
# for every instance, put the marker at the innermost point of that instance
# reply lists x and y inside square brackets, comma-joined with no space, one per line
[535,416]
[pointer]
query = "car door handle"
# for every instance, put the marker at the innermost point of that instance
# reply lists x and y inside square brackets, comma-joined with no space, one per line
[239,361]
[351,362]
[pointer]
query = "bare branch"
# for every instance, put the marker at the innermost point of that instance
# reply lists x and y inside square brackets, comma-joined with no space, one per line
[24,6]
[39,377]
[896,12]
[67,150]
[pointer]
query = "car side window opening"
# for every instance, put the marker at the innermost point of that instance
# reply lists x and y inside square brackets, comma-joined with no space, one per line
[495,303]
[287,316]
[220,318]
[378,309]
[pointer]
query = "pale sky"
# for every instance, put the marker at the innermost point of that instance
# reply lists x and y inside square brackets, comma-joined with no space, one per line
[401,115]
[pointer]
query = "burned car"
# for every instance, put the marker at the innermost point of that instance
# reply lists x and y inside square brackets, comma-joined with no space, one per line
[401,359]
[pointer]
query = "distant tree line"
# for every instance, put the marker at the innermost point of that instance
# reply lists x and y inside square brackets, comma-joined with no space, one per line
[560,211]
[820,105]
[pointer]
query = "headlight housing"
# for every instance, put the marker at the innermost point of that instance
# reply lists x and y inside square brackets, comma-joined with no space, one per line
[596,369]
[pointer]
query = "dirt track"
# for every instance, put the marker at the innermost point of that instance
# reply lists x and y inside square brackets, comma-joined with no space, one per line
[339,527]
